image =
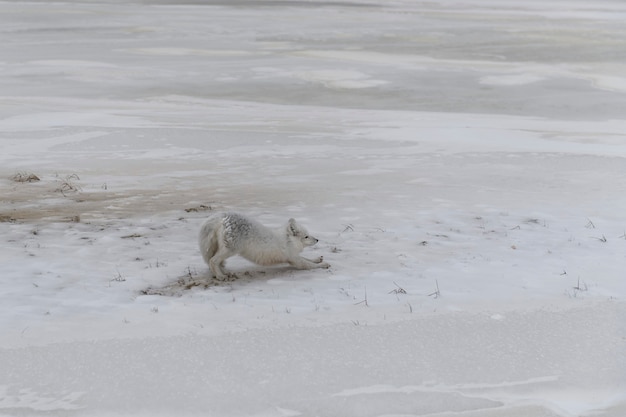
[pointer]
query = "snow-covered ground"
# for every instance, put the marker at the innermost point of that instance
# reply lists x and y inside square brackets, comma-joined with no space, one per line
[462,163]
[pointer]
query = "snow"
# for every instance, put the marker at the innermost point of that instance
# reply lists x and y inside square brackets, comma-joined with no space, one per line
[462,163]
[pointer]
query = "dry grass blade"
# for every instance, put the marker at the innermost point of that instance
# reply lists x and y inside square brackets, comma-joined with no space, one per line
[68,186]
[398,290]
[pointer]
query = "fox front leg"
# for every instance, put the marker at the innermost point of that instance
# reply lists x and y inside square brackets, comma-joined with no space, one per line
[303,263]
[317,260]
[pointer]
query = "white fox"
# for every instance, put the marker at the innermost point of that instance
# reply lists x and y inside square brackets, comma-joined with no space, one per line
[228,234]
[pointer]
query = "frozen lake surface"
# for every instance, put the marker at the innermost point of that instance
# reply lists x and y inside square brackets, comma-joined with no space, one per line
[462,163]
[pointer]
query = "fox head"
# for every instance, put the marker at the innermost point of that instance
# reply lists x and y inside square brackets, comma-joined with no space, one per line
[300,234]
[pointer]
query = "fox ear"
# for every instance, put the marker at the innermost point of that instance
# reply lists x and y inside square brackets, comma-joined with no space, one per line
[293,227]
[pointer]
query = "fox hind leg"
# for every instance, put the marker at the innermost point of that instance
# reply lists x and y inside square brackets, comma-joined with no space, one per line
[216,263]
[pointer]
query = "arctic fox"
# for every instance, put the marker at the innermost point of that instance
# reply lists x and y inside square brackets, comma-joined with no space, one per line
[228,234]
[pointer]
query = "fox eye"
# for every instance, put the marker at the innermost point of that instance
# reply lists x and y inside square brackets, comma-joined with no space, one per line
[306,237]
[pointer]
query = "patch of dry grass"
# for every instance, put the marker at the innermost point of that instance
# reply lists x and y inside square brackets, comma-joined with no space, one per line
[24,176]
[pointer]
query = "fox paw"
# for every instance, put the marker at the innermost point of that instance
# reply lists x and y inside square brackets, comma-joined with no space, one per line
[226,277]
[318,260]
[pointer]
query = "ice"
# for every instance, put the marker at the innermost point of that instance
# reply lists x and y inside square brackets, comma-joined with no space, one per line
[462,163]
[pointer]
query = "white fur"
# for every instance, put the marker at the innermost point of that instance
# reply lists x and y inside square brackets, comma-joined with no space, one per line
[228,234]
